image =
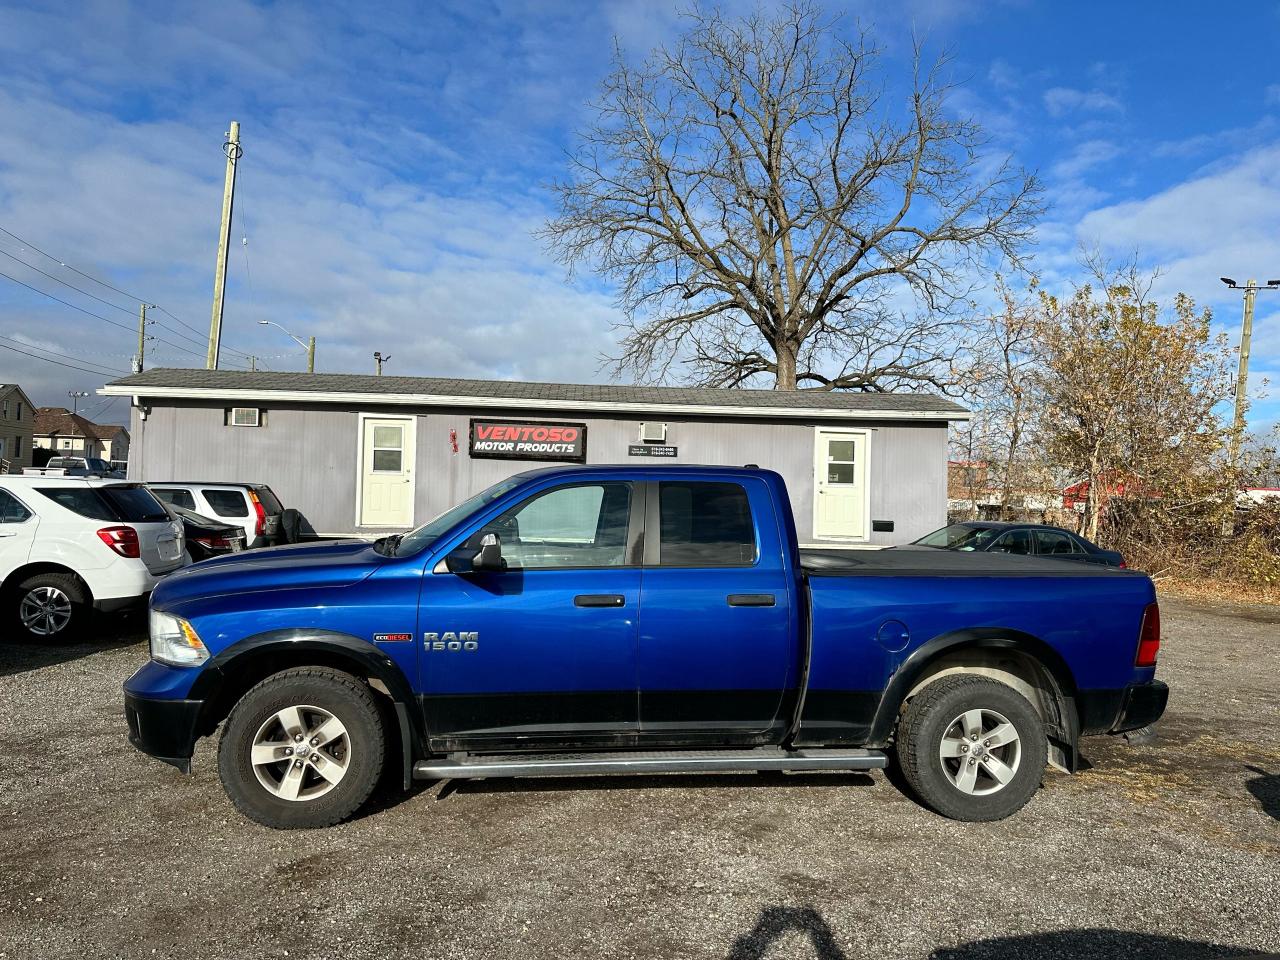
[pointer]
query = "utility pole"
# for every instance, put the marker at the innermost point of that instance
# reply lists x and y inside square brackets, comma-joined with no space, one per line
[253,362]
[142,338]
[1250,289]
[232,149]
[379,359]
[311,355]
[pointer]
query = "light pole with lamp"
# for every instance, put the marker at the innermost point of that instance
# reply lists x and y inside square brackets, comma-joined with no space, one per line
[1250,289]
[309,346]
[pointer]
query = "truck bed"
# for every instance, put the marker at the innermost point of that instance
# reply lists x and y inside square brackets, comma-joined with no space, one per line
[933,562]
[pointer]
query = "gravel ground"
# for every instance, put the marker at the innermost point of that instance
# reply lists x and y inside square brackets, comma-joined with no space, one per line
[1166,850]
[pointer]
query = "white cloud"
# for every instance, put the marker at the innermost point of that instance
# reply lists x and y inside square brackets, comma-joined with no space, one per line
[1084,157]
[1063,100]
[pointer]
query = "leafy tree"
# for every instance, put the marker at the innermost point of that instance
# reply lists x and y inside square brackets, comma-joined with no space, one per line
[765,211]
[1129,403]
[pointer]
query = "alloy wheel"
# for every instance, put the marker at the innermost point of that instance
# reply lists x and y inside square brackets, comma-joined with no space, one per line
[300,753]
[45,611]
[980,752]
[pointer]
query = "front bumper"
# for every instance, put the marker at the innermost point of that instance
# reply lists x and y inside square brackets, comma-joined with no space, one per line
[1142,705]
[165,729]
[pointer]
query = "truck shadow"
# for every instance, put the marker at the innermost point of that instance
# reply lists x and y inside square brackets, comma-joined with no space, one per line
[778,922]
[669,781]
[1265,788]
[18,655]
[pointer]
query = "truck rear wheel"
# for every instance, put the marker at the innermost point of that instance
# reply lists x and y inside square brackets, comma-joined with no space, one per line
[302,749]
[972,748]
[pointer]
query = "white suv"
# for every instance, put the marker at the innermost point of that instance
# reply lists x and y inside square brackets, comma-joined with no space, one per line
[72,544]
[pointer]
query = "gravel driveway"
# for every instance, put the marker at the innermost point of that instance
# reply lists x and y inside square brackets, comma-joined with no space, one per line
[1166,850]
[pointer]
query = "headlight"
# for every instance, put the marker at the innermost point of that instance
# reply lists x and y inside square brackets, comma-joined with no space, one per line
[174,641]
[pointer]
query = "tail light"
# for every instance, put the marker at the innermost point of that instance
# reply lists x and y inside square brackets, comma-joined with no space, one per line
[213,541]
[1149,637]
[262,515]
[123,540]
[1123,565]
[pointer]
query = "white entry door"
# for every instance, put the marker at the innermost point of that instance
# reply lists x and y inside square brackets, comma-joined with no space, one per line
[386,471]
[840,475]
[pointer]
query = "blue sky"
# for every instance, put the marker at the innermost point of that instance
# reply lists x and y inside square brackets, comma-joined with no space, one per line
[397,159]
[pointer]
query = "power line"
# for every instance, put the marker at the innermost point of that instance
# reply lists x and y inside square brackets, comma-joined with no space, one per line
[72,366]
[65,356]
[67,303]
[62,263]
[64,282]
[98,316]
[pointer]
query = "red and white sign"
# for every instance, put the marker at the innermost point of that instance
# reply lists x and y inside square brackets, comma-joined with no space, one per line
[526,440]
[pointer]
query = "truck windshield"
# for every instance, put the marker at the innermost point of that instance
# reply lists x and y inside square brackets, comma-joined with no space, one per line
[960,536]
[425,535]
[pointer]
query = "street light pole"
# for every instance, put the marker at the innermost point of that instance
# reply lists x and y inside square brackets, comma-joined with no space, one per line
[309,345]
[1250,289]
[76,396]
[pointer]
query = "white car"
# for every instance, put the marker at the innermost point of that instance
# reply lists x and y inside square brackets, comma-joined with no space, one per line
[70,545]
[252,506]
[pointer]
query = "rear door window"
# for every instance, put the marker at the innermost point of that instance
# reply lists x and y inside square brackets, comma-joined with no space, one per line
[1015,541]
[179,498]
[227,503]
[705,525]
[1051,542]
[82,500]
[11,509]
[134,504]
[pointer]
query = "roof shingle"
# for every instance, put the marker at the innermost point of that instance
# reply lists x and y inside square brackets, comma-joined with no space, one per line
[515,390]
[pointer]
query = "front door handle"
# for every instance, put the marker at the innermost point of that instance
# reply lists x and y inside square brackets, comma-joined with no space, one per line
[752,600]
[599,600]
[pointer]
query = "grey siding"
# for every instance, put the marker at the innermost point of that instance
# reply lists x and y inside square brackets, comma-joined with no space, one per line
[310,457]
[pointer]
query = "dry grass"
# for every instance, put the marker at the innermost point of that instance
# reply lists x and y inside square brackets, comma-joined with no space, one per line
[1222,591]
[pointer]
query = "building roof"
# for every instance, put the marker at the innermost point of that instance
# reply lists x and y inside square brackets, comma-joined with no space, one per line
[52,421]
[447,391]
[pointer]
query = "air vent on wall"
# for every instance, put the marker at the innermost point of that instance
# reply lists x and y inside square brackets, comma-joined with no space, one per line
[245,417]
[653,433]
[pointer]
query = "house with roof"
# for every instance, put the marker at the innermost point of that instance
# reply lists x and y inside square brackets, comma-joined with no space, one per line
[17,422]
[68,434]
[368,455]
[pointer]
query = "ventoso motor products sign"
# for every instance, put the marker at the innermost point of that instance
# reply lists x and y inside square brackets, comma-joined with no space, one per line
[522,440]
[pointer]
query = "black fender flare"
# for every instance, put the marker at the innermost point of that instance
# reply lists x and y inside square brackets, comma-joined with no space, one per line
[360,656]
[980,638]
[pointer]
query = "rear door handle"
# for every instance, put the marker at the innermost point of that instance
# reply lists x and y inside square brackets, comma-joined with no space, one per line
[599,600]
[752,600]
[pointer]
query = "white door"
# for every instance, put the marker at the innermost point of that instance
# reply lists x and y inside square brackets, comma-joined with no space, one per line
[840,474]
[17,533]
[386,471]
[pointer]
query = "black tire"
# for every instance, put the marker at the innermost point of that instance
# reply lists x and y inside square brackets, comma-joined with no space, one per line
[337,693]
[929,716]
[64,593]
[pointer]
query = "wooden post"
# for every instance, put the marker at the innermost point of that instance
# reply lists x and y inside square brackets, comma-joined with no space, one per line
[232,150]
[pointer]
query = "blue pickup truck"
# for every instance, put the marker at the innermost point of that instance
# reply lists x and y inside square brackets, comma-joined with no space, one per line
[592,620]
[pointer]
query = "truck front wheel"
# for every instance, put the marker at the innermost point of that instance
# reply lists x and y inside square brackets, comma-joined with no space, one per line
[302,749]
[971,748]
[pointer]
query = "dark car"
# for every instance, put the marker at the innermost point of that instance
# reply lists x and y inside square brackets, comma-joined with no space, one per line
[1032,539]
[205,537]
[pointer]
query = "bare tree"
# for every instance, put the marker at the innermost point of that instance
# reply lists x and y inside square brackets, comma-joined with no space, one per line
[765,210]
[1003,371]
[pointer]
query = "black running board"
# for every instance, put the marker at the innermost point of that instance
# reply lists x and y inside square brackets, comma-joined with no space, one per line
[660,761]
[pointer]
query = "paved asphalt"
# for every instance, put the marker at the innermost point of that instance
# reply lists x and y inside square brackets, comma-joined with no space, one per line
[1168,850]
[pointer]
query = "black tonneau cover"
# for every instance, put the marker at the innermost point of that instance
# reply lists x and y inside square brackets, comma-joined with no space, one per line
[934,562]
